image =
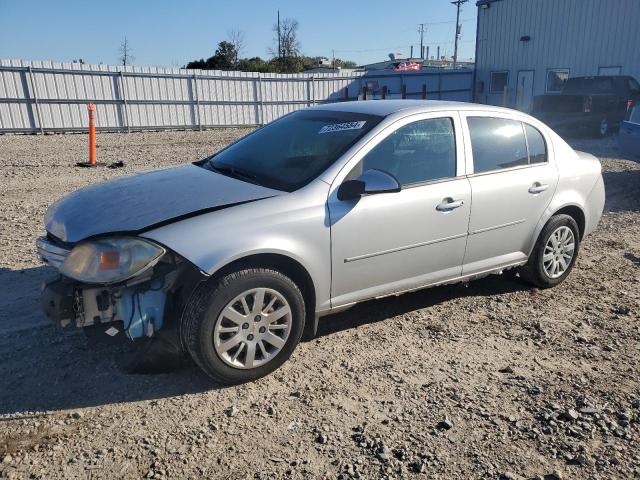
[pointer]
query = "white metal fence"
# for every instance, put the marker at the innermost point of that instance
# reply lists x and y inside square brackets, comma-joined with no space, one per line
[39,97]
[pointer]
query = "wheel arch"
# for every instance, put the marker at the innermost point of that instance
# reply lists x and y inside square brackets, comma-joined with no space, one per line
[288,266]
[572,209]
[575,212]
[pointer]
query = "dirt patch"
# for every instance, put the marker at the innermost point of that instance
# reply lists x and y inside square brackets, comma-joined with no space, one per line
[488,380]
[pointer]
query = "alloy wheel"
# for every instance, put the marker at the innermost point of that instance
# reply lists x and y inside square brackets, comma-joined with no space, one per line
[558,252]
[252,328]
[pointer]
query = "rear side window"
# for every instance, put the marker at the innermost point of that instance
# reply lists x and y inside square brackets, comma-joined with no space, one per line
[634,86]
[536,144]
[497,143]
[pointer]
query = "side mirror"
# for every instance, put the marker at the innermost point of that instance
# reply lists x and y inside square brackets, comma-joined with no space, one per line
[370,182]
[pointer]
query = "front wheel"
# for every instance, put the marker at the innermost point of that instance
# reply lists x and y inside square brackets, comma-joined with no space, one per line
[244,325]
[554,254]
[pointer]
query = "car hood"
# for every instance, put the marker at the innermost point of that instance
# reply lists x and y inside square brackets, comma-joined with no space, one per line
[143,201]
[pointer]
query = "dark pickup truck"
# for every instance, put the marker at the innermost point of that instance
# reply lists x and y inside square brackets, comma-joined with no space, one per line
[595,104]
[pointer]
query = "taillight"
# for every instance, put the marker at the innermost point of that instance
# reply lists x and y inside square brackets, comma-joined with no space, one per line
[588,103]
[629,104]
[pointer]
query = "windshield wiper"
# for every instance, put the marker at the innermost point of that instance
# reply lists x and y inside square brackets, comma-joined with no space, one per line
[235,172]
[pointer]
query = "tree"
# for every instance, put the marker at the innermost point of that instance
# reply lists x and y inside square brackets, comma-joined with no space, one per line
[236,38]
[346,63]
[224,58]
[255,64]
[289,38]
[201,64]
[125,53]
[288,46]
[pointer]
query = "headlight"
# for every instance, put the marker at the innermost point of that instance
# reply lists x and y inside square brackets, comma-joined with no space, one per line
[110,260]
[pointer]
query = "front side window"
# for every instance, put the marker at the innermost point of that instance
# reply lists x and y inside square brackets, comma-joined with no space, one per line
[556,80]
[499,80]
[421,151]
[497,143]
[290,152]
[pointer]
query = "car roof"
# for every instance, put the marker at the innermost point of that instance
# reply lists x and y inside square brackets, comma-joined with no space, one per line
[388,107]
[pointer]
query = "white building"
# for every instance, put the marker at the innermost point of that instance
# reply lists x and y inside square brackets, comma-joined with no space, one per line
[532,46]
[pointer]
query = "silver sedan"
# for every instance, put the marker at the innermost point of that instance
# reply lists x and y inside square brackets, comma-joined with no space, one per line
[232,259]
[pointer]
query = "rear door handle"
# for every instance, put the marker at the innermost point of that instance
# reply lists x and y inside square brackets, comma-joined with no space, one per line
[537,188]
[449,204]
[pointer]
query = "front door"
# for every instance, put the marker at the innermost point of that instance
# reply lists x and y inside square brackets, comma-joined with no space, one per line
[524,93]
[512,184]
[391,242]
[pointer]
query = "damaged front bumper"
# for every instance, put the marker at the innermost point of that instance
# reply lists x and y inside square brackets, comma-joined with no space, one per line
[137,308]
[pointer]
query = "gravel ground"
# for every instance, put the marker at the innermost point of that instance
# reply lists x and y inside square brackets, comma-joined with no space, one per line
[489,380]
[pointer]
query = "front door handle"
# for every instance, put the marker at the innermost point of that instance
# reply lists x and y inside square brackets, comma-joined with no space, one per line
[449,204]
[537,188]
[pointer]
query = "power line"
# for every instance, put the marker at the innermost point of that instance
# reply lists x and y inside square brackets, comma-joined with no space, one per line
[372,49]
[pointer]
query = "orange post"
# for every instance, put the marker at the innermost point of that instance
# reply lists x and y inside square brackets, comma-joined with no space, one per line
[92,135]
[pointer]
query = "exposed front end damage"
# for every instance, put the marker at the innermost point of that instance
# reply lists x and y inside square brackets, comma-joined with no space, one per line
[137,308]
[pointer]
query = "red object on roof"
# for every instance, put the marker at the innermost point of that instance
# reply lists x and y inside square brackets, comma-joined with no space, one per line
[404,66]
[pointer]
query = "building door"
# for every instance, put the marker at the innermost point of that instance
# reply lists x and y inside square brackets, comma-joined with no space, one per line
[524,93]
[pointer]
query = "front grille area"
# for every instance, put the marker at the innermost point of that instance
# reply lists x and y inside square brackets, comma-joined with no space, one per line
[51,253]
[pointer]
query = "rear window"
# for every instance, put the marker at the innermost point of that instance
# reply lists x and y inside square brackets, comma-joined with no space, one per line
[589,85]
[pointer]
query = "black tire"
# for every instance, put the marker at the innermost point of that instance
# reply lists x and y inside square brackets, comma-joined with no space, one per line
[603,128]
[533,272]
[208,301]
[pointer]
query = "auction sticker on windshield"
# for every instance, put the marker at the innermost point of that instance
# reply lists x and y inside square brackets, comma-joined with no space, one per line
[338,127]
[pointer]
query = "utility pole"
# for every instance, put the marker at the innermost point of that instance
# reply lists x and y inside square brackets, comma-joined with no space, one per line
[457,3]
[279,42]
[333,58]
[421,25]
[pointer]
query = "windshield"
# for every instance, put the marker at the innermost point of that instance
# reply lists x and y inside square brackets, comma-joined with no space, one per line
[290,152]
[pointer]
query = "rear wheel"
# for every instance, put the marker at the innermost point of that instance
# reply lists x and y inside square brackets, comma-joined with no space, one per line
[602,129]
[554,254]
[244,325]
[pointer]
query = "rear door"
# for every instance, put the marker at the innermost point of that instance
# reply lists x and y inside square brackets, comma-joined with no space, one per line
[512,183]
